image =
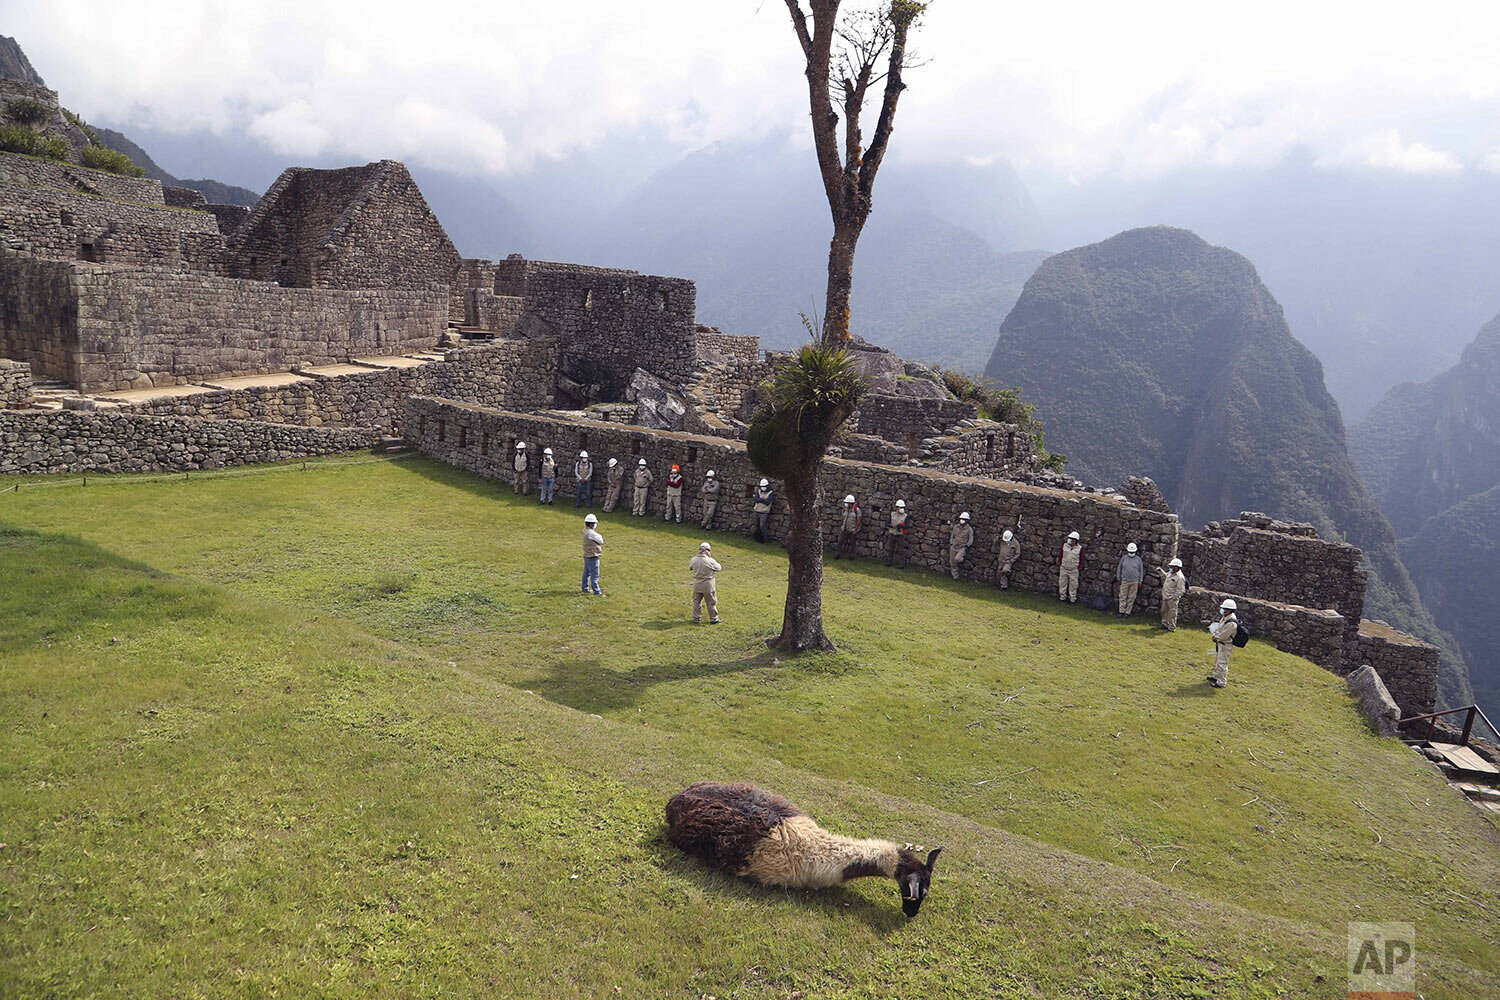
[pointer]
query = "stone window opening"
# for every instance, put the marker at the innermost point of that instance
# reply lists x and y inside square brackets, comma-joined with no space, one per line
[422,425]
[635,447]
[484,443]
[65,217]
[692,454]
[442,429]
[583,442]
[989,447]
[588,298]
[463,435]
[89,252]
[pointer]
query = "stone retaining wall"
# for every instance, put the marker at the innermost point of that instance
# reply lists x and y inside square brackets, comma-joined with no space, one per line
[908,419]
[112,327]
[62,225]
[481,440]
[27,171]
[715,346]
[1408,667]
[509,373]
[1258,557]
[1314,635]
[15,383]
[74,441]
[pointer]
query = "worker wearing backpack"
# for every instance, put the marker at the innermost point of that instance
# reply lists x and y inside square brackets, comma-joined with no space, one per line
[1225,632]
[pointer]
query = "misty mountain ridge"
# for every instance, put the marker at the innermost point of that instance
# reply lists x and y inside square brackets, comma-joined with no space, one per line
[1430,453]
[1156,353]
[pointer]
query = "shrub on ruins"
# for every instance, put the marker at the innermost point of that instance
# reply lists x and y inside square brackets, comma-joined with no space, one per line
[25,111]
[995,402]
[111,160]
[29,142]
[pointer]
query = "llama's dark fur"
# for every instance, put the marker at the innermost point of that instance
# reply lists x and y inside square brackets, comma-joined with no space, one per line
[720,824]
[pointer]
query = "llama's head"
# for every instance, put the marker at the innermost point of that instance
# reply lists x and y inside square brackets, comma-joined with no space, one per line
[914,877]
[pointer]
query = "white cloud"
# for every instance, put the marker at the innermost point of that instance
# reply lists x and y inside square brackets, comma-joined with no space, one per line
[1388,151]
[1077,89]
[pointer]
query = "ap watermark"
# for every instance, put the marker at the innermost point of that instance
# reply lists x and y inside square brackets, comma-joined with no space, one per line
[1382,961]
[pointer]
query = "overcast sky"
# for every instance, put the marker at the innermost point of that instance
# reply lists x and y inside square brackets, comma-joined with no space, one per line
[1072,90]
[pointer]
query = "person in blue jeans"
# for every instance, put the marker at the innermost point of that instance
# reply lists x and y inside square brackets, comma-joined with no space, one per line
[593,548]
[549,475]
[583,480]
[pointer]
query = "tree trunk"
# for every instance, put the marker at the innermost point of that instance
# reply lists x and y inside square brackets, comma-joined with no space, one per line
[840,282]
[802,621]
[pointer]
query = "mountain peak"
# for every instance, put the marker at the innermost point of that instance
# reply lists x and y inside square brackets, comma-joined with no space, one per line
[14,65]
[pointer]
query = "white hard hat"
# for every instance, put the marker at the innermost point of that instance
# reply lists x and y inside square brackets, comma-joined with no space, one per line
[901,504]
[704,546]
[848,498]
[1072,536]
[642,463]
[591,519]
[964,516]
[583,454]
[520,446]
[1130,548]
[1175,564]
[546,451]
[710,473]
[614,462]
[1007,535]
[1228,604]
[765,482]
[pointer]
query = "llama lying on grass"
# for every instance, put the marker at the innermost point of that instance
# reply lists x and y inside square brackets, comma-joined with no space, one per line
[752,832]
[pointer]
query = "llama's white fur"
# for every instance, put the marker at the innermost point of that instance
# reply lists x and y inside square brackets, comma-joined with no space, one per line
[800,854]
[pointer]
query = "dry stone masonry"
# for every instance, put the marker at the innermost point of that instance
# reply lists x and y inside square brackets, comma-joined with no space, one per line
[15,384]
[33,441]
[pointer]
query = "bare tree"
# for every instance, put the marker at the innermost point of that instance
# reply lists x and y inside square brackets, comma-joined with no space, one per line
[811,396]
[846,57]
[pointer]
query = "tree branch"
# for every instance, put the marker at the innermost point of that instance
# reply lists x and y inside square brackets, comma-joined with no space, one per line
[818,47]
[902,16]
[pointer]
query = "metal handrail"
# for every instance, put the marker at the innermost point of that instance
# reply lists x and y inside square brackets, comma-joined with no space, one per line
[1471,710]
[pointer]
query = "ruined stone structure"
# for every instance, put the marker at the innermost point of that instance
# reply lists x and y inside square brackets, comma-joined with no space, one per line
[165,333]
[358,227]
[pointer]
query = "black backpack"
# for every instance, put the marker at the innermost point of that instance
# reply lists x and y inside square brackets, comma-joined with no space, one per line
[1241,635]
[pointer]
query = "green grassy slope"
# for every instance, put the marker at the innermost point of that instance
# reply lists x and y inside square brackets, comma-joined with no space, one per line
[352,730]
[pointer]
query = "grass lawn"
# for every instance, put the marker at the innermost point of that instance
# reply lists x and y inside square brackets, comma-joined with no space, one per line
[353,731]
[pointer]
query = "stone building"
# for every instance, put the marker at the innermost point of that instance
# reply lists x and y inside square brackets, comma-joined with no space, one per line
[356,227]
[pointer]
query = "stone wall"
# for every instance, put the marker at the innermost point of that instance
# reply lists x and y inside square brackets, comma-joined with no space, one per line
[113,327]
[230,217]
[1408,666]
[180,197]
[607,322]
[908,419]
[33,441]
[352,228]
[62,225]
[715,346]
[70,178]
[509,373]
[15,383]
[39,314]
[480,439]
[978,448]
[1312,634]
[1258,557]
[721,396]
